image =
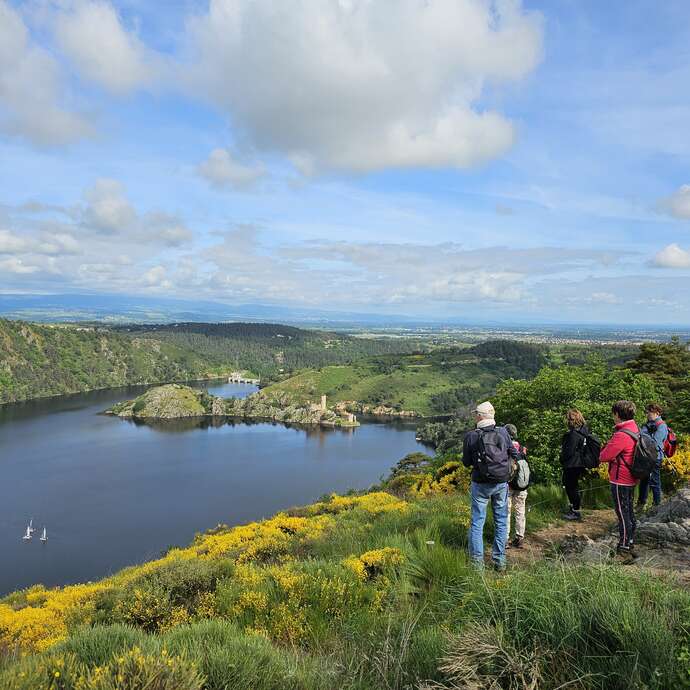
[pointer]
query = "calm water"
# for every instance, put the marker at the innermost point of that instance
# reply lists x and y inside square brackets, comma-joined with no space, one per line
[112,492]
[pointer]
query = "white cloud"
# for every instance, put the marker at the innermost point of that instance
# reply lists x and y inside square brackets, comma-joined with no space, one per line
[46,243]
[156,278]
[678,204]
[166,229]
[221,170]
[672,256]
[14,264]
[31,88]
[11,243]
[602,298]
[363,85]
[92,35]
[108,209]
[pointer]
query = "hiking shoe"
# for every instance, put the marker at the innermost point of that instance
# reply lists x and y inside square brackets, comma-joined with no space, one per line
[626,555]
[517,542]
[498,567]
[573,515]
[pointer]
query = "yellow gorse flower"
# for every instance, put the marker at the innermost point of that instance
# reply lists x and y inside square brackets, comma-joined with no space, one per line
[39,618]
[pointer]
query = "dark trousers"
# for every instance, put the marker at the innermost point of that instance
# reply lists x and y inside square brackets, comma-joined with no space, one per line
[653,483]
[623,505]
[571,477]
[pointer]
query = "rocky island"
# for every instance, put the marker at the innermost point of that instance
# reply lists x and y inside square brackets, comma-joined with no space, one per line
[175,401]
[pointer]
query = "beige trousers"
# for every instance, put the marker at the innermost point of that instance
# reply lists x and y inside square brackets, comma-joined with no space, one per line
[517,498]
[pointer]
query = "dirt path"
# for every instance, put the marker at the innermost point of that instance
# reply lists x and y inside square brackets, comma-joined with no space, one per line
[599,526]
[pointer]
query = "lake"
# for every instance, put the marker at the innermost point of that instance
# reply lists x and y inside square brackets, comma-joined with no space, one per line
[112,492]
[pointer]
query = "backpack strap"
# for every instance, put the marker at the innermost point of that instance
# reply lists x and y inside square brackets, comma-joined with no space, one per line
[636,438]
[632,434]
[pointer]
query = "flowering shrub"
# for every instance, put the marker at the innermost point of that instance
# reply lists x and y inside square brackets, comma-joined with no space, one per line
[41,626]
[374,563]
[451,477]
[677,468]
[134,670]
[374,503]
[159,595]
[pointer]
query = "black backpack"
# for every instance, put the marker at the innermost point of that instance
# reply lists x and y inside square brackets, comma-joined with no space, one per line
[645,455]
[493,461]
[589,450]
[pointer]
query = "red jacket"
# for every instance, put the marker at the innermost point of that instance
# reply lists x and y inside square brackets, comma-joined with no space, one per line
[619,451]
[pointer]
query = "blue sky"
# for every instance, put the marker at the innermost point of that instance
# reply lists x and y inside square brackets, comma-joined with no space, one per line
[459,158]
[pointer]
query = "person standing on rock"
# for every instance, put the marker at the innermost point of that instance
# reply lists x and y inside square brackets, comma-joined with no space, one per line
[489,450]
[517,496]
[572,460]
[618,453]
[657,428]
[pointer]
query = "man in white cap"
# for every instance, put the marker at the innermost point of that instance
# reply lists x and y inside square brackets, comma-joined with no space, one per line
[489,450]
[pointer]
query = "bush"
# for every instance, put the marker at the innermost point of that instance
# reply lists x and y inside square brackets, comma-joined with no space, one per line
[538,407]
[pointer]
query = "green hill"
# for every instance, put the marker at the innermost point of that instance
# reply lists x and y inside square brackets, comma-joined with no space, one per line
[437,382]
[271,350]
[41,360]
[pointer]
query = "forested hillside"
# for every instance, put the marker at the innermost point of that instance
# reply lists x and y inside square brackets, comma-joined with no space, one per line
[42,360]
[37,360]
[270,350]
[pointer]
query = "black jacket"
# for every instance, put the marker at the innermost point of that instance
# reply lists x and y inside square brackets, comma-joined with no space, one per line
[571,453]
[470,449]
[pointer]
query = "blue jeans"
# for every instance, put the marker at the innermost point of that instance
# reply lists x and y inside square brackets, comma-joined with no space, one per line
[481,495]
[653,483]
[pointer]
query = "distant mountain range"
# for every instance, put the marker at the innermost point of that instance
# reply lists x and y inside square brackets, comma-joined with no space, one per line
[124,309]
[130,309]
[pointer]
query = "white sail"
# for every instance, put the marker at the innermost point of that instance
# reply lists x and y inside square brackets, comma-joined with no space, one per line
[30,528]
[28,533]
[44,536]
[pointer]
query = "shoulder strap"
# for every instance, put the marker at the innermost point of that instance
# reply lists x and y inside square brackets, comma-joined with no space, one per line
[636,438]
[632,434]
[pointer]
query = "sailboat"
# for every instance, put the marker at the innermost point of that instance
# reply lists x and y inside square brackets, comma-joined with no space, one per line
[27,536]
[44,536]
[30,528]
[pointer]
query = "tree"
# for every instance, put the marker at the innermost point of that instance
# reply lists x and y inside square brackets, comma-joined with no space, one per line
[537,407]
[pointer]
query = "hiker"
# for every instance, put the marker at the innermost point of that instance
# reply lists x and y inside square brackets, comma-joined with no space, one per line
[572,460]
[657,428]
[517,493]
[619,453]
[489,450]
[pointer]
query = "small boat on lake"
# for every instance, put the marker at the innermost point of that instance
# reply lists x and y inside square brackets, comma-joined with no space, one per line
[44,536]
[30,528]
[27,536]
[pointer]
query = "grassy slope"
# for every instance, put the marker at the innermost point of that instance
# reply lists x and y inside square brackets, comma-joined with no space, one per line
[348,593]
[409,388]
[406,381]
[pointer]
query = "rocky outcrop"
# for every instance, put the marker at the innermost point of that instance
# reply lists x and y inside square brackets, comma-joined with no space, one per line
[172,401]
[282,408]
[373,410]
[175,401]
[667,525]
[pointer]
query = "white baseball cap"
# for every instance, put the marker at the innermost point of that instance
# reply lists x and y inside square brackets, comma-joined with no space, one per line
[486,410]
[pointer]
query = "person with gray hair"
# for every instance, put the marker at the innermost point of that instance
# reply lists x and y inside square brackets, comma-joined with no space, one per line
[489,450]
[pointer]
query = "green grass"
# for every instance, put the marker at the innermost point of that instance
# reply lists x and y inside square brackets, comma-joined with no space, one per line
[432,618]
[410,387]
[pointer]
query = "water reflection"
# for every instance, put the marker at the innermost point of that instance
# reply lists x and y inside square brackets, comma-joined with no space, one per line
[113,492]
